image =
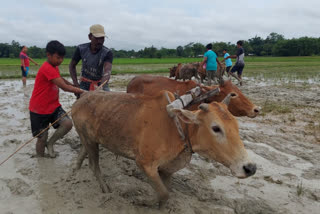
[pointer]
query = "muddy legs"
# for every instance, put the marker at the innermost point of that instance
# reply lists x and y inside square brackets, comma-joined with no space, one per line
[41,144]
[93,153]
[82,155]
[237,77]
[24,81]
[64,128]
[157,184]
[166,178]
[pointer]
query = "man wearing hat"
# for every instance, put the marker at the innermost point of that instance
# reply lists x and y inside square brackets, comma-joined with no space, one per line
[96,61]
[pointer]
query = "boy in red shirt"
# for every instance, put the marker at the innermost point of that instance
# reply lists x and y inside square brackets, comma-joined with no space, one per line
[44,103]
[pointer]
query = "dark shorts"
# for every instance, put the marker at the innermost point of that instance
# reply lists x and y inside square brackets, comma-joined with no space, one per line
[42,121]
[24,73]
[238,69]
[228,68]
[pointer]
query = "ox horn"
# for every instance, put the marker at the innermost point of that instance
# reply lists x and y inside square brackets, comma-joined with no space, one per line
[226,100]
[204,107]
[221,80]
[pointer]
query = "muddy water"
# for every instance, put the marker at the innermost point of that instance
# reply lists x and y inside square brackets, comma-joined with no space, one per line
[284,146]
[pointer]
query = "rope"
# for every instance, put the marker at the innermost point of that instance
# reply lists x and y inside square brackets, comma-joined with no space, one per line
[45,129]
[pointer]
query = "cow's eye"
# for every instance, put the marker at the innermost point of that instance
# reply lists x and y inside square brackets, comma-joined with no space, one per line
[216,129]
[233,95]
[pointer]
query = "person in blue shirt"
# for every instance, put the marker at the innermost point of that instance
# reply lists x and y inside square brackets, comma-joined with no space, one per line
[238,67]
[211,60]
[227,61]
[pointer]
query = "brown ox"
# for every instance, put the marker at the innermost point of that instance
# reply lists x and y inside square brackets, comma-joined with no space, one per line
[174,71]
[138,127]
[184,72]
[239,105]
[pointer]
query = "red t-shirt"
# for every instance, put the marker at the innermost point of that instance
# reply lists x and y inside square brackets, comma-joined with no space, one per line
[45,95]
[25,58]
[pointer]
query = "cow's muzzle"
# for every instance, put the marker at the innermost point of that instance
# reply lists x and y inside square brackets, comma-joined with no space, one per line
[250,169]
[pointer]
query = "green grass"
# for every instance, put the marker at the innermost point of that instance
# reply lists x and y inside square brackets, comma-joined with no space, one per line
[277,68]
[275,108]
[119,61]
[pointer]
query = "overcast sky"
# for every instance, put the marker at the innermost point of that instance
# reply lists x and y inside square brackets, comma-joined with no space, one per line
[135,24]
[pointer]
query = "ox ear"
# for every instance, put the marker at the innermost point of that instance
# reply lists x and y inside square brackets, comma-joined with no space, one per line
[186,116]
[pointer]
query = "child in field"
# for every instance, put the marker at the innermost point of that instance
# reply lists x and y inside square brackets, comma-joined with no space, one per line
[227,61]
[25,64]
[44,103]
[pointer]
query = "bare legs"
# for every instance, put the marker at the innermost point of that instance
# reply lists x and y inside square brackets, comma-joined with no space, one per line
[237,77]
[62,130]
[212,75]
[24,81]
[41,143]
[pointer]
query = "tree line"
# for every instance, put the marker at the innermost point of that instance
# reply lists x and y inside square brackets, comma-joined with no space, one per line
[273,45]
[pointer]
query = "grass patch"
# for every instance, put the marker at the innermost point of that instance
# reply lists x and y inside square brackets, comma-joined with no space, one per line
[300,189]
[313,126]
[261,68]
[275,108]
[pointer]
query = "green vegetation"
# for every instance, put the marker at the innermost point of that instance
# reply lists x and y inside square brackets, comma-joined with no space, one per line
[273,45]
[275,108]
[261,68]
[300,189]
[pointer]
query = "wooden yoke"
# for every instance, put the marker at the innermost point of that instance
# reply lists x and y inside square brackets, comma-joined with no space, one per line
[181,102]
[205,96]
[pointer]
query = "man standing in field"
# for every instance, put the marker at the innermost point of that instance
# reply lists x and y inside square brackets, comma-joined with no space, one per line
[211,60]
[25,64]
[96,61]
[238,67]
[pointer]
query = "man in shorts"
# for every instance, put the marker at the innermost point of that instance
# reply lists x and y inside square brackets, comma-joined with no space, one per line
[44,106]
[238,67]
[25,64]
[96,61]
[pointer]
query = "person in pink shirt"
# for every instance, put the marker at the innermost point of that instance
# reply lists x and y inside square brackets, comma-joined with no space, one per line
[25,64]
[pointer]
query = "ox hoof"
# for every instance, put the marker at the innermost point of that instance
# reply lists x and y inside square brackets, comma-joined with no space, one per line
[162,202]
[161,205]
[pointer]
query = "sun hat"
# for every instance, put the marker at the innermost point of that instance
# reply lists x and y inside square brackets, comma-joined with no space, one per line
[97,30]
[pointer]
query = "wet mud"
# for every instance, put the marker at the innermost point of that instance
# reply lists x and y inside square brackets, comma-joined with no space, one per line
[284,142]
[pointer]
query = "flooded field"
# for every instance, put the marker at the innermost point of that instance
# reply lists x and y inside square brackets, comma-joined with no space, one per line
[284,141]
